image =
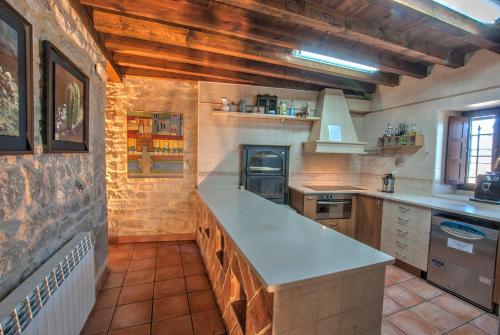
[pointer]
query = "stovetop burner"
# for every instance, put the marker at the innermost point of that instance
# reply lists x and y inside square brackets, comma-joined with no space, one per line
[327,188]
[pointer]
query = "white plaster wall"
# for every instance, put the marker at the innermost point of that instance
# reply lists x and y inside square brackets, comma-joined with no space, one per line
[428,103]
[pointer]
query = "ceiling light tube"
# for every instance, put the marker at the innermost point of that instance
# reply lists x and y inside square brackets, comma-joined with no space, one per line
[318,58]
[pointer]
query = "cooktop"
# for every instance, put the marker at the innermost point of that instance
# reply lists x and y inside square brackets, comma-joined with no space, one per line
[333,188]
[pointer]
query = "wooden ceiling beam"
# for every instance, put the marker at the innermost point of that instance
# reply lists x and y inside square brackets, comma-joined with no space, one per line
[309,14]
[168,34]
[221,18]
[123,46]
[269,82]
[208,72]
[114,74]
[469,30]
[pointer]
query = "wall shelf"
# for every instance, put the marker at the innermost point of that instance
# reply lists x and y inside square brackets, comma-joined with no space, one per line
[399,149]
[281,118]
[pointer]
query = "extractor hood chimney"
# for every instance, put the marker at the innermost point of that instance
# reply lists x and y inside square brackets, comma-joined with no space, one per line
[335,133]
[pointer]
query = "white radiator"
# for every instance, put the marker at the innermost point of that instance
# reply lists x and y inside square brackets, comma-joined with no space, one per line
[57,298]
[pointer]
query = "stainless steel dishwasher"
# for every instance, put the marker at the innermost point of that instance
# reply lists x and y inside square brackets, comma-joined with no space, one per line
[462,257]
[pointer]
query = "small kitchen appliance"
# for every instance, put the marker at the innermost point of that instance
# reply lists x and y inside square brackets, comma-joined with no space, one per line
[488,188]
[388,181]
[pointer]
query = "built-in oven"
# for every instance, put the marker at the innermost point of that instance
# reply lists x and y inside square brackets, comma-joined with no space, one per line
[462,257]
[264,171]
[333,206]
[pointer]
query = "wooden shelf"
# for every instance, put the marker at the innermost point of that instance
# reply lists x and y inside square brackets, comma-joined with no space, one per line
[281,118]
[399,149]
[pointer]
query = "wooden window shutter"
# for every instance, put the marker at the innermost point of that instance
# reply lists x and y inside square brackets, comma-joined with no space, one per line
[456,155]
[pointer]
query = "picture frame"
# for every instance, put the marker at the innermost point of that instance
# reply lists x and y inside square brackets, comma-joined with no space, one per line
[66,99]
[16,83]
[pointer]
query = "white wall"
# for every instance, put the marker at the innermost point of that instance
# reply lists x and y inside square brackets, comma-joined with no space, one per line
[428,103]
[219,138]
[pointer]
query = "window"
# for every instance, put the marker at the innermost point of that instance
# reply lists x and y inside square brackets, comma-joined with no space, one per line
[480,153]
[473,146]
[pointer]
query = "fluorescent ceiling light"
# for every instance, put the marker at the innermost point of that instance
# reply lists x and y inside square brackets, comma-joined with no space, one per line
[485,11]
[318,58]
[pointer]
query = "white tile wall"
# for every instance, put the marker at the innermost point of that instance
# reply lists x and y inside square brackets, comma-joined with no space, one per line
[220,138]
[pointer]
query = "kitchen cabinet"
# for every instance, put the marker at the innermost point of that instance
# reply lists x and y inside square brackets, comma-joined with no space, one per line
[406,233]
[368,220]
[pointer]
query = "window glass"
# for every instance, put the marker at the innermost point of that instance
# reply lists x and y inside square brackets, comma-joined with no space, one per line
[480,147]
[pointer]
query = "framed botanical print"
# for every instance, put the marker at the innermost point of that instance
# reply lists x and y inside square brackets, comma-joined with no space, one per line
[16,83]
[66,96]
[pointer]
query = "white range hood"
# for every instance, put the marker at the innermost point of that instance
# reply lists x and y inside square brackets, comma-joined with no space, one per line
[335,133]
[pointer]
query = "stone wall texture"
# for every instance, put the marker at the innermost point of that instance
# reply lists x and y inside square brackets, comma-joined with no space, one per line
[149,206]
[41,207]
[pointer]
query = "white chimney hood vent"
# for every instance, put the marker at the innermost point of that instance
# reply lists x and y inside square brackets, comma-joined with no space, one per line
[335,133]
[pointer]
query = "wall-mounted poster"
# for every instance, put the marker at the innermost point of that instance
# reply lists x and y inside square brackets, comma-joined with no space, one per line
[16,93]
[67,103]
[155,143]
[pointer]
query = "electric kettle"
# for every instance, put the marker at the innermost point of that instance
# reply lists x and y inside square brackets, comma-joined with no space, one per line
[388,181]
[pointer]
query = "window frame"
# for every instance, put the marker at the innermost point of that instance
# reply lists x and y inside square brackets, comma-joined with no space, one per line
[496,140]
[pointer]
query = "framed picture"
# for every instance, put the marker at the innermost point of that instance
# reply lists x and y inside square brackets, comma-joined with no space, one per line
[66,96]
[155,144]
[16,83]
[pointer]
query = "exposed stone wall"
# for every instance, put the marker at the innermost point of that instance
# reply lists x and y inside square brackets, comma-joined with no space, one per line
[149,206]
[41,207]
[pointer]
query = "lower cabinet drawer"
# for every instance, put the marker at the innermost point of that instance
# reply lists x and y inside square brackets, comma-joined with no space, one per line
[406,250]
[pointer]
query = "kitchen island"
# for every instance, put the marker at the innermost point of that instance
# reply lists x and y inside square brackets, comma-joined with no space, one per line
[276,272]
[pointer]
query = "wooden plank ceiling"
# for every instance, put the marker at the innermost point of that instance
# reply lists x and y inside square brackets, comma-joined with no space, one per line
[250,41]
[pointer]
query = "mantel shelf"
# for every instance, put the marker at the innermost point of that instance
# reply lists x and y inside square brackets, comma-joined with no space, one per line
[281,118]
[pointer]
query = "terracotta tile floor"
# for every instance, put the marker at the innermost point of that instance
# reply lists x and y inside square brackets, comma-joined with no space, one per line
[162,288]
[155,289]
[414,307]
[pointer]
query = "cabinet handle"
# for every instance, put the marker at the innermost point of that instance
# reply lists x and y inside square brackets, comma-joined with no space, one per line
[379,203]
[310,198]
[403,220]
[402,232]
[403,209]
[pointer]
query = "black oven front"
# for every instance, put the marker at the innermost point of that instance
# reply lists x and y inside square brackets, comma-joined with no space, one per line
[333,206]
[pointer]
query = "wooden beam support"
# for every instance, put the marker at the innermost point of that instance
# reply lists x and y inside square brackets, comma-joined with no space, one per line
[156,64]
[221,18]
[168,34]
[318,18]
[269,82]
[113,71]
[469,30]
[122,46]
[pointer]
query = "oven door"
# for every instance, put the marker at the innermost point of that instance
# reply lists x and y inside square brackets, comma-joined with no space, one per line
[269,187]
[266,161]
[334,209]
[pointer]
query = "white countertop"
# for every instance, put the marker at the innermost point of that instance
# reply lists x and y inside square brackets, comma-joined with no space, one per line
[284,248]
[458,204]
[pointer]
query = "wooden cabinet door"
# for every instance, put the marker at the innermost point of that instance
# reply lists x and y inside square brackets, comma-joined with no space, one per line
[369,220]
[310,206]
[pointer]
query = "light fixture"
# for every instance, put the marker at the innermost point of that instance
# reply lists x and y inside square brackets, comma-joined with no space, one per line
[485,11]
[318,58]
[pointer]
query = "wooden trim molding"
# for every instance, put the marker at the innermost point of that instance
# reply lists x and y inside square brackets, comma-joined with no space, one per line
[153,238]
